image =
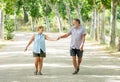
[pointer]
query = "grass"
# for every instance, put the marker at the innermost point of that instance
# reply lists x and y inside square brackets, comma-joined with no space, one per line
[113,51]
[1,46]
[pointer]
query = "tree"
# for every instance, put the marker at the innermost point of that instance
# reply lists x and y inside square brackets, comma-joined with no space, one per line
[1,20]
[46,12]
[1,24]
[54,6]
[68,10]
[102,24]
[77,4]
[114,4]
[119,44]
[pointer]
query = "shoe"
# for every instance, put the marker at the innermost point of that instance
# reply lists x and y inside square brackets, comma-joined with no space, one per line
[40,73]
[78,69]
[74,73]
[35,73]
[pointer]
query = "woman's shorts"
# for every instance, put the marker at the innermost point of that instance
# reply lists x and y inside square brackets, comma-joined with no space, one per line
[41,54]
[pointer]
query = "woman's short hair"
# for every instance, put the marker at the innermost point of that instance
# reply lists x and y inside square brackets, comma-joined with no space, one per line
[78,20]
[40,27]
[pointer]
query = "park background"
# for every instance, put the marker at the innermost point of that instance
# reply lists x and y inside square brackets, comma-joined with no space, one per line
[20,18]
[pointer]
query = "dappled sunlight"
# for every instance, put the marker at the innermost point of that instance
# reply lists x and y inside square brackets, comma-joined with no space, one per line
[58,63]
[31,65]
[102,66]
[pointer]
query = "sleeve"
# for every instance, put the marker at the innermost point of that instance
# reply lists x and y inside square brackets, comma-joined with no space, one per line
[84,31]
[70,31]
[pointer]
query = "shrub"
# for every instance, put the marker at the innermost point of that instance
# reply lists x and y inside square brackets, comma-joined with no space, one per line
[9,28]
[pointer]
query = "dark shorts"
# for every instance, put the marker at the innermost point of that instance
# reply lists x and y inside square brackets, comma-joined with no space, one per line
[76,52]
[42,54]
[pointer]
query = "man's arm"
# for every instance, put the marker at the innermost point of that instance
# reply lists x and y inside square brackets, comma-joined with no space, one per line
[64,36]
[83,41]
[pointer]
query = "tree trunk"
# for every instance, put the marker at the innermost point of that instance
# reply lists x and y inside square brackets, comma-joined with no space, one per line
[102,24]
[32,24]
[59,21]
[47,24]
[55,9]
[96,25]
[79,14]
[25,15]
[92,31]
[15,22]
[69,15]
[1,25]
[119,44]
[114,4]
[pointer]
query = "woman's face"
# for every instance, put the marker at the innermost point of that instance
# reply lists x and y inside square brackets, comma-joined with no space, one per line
[41,30]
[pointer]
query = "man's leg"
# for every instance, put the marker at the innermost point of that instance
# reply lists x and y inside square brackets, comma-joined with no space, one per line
[75,65]
[79,54]
[79,62]
[74,62]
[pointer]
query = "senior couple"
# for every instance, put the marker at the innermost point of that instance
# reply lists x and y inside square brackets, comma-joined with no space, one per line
[77,33]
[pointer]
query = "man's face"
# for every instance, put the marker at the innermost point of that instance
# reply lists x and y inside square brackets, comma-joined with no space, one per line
[75,23]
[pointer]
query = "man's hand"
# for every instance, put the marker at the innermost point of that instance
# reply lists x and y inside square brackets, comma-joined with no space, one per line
[81,48]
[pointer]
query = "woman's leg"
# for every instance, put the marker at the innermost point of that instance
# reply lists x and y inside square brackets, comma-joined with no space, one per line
[36,60]
[40,64]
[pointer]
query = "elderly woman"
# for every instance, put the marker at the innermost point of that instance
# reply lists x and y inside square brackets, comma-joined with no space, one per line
[39,50]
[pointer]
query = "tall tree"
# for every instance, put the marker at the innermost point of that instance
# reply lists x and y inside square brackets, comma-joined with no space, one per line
[102,24]
[2,5]
[1,24]
[119,43]
[46,10]
[54,6]
[77,4]
[114,4]
[68,10]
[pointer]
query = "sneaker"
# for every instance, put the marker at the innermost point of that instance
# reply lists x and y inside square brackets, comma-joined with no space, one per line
[40,73]
[35,73]
[75,72]
[78,69]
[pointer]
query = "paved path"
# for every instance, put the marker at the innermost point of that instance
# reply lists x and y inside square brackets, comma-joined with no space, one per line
[17,66]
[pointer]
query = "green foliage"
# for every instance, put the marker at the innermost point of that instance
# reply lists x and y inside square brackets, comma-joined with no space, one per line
[62,9]
[9,28]
[118,13]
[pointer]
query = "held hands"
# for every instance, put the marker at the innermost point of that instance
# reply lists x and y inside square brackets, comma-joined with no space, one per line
[59,38]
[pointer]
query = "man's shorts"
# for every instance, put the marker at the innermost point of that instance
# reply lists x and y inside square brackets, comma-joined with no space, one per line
[41,54]
[76,52]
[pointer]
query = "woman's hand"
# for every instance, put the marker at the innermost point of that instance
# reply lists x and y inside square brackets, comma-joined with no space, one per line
[59,38]
[25,49]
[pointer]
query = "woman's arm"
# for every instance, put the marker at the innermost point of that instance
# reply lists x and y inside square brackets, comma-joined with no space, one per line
[50,39]
[31,40]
